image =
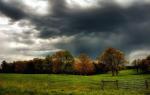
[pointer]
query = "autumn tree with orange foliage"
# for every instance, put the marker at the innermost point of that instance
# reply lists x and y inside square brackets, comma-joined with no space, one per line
[56,62]
[63,62]
[113,58]
[84,65]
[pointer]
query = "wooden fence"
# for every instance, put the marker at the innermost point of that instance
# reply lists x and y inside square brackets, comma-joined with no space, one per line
[125,84]
[103,83]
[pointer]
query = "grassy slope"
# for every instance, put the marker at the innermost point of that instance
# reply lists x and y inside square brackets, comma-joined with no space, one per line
[45,84]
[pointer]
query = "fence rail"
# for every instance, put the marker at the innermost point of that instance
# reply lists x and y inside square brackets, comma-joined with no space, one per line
[125,84]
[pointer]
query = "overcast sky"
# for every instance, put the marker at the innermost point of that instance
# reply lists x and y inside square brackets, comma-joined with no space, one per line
[35,28]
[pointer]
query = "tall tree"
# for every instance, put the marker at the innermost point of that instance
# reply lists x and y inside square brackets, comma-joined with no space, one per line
[85,65]
[113,58]
[67,60]
[136,64]
[7,67]
[62,62]
[47,62]
[144,65]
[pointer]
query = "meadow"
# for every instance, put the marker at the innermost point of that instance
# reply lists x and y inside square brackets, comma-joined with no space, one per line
[62,84]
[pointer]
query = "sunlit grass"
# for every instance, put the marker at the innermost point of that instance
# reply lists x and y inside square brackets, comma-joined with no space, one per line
[61,84]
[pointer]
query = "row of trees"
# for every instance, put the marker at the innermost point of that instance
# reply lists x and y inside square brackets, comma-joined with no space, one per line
[63,62]
[142,65]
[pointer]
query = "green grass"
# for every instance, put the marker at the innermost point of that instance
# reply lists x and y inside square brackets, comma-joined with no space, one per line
[61,84]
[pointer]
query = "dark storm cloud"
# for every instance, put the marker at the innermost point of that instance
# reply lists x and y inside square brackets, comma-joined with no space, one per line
[65,21]
[11,11]
[131,23]
[92,43]
[93,29]
[72,21]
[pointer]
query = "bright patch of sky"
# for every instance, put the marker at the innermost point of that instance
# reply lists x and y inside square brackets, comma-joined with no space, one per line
[127,3]
[82,3]
[38,6]
[4,20]
[138,54]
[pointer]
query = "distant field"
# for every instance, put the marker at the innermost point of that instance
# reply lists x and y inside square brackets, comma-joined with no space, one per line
[60,84]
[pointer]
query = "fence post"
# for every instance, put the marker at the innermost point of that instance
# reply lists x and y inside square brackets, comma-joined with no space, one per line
[102,86]
[117,84]
[146,84]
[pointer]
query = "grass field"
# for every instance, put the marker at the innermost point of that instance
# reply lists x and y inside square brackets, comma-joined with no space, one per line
[60,84]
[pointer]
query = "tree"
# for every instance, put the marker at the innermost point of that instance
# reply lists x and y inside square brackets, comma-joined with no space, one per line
[38,66]
[47,64]
[84,65]
[142,65]
[30,69]
[113,58]
[7,67]
[20,66]
[136,64]
[62,62]
[67,60]
[100,67]
[145,66]
[57,62]
[4,66]
[148,57]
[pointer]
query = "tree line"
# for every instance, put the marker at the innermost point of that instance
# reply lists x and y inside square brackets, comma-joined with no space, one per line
[63,62]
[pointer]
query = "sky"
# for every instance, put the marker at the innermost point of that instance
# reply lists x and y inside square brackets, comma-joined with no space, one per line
[36,28]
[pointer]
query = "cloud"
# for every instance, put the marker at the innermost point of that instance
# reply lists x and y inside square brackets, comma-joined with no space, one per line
[65,21]
[126,24]
[109,18]
[138,54]
[11,11]
[36,7]
[78,26]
